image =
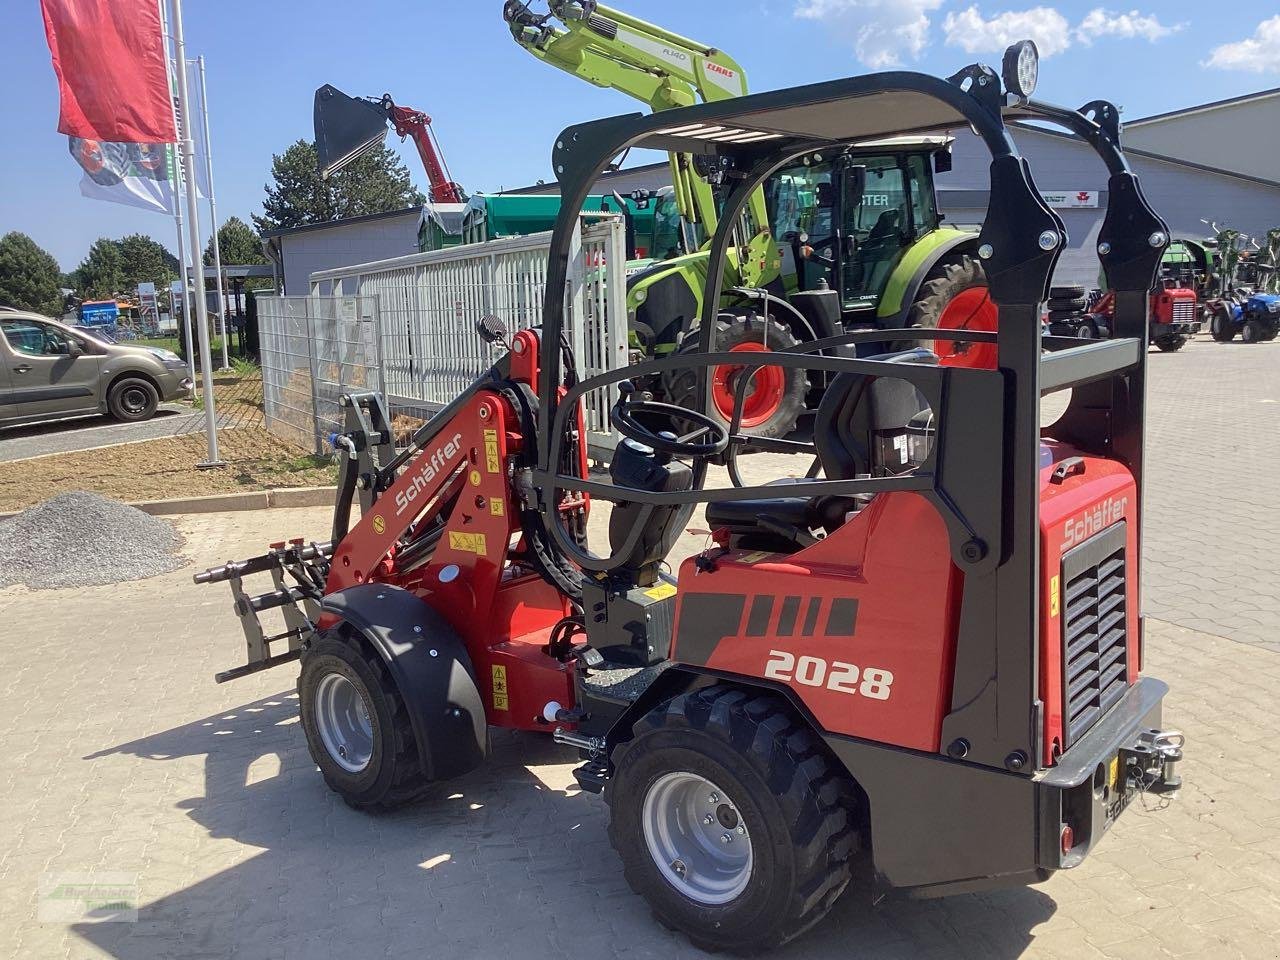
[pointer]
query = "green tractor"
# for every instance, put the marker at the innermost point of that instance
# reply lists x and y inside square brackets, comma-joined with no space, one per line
[839,241]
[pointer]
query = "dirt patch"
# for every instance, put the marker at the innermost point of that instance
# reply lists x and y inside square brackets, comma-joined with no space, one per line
[161,469]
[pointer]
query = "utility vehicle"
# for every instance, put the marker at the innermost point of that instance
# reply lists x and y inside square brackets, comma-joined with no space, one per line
[917,668]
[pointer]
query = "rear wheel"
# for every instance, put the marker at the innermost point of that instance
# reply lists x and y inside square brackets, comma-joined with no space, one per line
[1220,326]
[732,820]
[955,297]
[358,731]
[132,399]
[774,396]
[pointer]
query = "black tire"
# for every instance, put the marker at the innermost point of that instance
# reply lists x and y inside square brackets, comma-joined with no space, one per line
[944,282]
[394,775]
[1072,305]
[681,386]
[1220,326]
[132,399]
[1070,291]
[1171,344]
[1063,316]
[1252,332]
[798,807]
[1087,330]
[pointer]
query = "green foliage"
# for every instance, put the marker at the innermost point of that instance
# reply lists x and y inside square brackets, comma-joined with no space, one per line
[238,243]
[100,275]
[29,276]
[146,261]
[375,183]
[116,267]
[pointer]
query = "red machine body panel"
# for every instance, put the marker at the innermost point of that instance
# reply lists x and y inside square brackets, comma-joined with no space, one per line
[1072,511]
[860,625]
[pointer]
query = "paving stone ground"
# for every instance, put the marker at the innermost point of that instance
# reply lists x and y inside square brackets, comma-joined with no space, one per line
[123,757]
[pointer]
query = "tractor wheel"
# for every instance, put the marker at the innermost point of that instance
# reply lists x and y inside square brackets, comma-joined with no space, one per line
[955,297]
[732,820]
[132,399]
[358,731]
[1252,332]
[775,397]
[1069,291]
[1220,326]
[1170,344]
[1066,305]
[1087,330]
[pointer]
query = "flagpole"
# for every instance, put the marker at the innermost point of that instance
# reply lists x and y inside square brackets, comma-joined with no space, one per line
[182,280]
[213,211]
[187,151]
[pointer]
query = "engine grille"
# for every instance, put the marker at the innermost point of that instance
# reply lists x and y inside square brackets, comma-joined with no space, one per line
[1095,638]
[1184,310]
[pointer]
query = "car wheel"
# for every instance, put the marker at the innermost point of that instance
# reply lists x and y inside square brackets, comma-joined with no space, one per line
[133,399]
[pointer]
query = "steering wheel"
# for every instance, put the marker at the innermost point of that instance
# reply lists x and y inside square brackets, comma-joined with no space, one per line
[687,446]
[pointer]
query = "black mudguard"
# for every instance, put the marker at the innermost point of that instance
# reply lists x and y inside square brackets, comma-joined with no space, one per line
[431,669]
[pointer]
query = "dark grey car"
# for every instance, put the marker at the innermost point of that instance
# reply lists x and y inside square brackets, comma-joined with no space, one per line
[50,370]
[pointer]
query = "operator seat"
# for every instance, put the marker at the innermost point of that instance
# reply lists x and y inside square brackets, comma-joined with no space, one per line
[858,420]
[870,253]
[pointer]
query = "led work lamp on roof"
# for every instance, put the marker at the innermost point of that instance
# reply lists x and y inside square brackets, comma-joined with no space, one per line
[1021,69]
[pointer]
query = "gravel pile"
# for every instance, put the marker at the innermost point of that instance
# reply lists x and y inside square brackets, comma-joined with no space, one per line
[83,539]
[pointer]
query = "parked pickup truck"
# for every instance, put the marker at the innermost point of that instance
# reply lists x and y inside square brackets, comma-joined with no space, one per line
[50,370]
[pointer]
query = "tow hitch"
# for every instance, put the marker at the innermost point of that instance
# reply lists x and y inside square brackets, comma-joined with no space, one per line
[1151,764]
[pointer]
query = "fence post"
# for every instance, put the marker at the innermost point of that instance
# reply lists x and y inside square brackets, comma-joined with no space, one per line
[375,315]
[315,378]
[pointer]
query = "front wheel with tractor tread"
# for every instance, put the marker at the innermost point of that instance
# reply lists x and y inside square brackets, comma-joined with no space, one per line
[132,399]
[358,730]
[775,397]
[1252,332]
[732,820]
[1221,328]
[955,296]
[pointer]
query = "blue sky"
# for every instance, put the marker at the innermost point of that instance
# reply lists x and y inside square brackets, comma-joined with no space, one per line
[497,110]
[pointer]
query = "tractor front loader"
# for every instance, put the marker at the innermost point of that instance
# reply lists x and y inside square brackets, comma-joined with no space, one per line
[917,668]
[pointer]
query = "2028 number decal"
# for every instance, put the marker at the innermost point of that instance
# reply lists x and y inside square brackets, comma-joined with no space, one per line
[837,675]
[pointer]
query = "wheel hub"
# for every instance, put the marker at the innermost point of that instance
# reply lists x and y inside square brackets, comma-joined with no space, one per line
[342,720]
[763,395]
[697,838]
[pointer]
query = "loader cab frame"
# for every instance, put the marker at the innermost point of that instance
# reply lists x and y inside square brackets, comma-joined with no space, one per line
[983,473]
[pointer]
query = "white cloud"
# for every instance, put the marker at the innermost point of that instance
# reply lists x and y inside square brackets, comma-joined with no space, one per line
[884,33]
[1100,22]
[973,33]
[1259,53]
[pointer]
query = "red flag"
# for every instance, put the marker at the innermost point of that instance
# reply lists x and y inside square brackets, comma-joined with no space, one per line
[110,59]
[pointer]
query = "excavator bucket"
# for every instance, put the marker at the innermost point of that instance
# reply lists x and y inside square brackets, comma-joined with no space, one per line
[345,127]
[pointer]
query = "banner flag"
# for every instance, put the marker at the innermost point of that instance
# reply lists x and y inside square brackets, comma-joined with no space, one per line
[135,174]
[109,56]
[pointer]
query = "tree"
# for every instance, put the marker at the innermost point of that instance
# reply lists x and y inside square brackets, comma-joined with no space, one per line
[146,261]
[29,276]
[101,273]
[378,182]
[237,242]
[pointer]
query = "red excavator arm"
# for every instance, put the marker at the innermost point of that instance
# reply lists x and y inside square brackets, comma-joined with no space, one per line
[346,127]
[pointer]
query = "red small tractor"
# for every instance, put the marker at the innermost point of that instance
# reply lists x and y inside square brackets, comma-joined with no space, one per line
[916,668]
[1174,316]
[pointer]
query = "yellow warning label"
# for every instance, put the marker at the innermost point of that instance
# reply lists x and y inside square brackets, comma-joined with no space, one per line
[475,478]
[496,507]
[1113,772]
[1053,596]
[500,701]
[379,525]
[661,591]
[754,557]
[491,450]
[467,542]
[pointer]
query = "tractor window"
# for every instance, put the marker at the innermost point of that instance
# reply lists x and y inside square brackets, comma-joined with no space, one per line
[924,213]
[801,203]
[882,226]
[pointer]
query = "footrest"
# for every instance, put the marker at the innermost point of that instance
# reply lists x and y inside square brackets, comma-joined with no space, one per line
[592,776]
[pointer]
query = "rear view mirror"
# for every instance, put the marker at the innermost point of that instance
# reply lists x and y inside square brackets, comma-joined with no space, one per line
[942,161]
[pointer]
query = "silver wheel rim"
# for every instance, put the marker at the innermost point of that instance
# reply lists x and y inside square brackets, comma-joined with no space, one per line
[697,838]
[342,719]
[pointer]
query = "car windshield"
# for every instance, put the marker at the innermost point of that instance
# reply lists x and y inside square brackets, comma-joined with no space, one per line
[98,333]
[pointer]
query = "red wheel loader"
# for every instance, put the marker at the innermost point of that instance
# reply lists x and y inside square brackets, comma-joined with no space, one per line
[918,668]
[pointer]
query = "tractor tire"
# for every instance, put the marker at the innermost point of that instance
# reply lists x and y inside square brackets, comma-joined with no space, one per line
[742,761]
[1063,316]
[773,406]
[960,284]
[1170,344]
[132,399]
[1221,328]
[358,730]
[1069,291]
[1087,330]
[1252,332]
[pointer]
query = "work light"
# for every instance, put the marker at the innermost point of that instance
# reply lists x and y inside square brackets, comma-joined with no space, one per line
[1021,69]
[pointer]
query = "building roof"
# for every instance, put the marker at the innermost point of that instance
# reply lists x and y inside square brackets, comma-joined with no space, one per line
[538,188]
[328,224]
[1203,107]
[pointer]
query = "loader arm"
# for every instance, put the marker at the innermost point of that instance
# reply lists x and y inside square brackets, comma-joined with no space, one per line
[609,48]
[417,125]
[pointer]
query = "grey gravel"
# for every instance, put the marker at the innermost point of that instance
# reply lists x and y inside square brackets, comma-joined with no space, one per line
[83,539]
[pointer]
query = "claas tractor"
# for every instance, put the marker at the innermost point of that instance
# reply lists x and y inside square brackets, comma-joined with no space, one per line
[916,665]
